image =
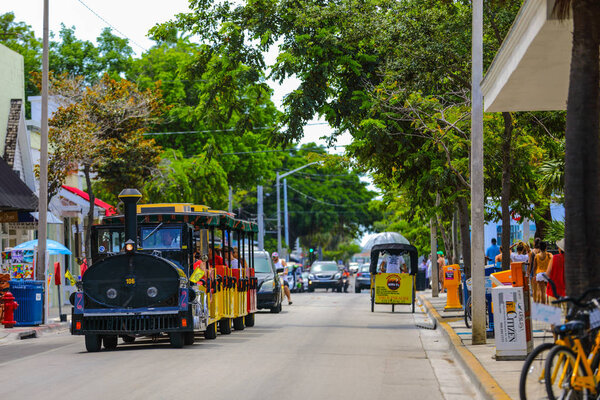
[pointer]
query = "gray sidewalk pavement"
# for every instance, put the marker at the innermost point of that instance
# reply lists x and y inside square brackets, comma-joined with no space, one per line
[52,325]
[496,379]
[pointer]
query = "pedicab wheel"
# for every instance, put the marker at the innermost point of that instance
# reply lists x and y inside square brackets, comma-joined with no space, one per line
[110,342]
[249,320]
[176,339]
[188,338]
[372,300]
[128,339]
[225,326]
[93,343]
[238,324]
[211,331]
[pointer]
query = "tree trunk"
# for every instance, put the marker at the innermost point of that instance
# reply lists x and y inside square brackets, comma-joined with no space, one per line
[465,234]
[90,216]
[446,238]
[506,183]
[541,224]
[455,256]
[582,158]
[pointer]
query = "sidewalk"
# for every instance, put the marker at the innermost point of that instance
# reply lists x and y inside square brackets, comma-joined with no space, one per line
[494,379]
[27,332]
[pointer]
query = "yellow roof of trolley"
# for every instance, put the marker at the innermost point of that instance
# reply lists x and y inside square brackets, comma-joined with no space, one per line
[200,208]
[164,208]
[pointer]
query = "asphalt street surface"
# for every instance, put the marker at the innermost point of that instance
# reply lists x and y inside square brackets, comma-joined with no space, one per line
[324,346]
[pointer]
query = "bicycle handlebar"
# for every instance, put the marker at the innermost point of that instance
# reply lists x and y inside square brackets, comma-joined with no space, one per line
[577,301]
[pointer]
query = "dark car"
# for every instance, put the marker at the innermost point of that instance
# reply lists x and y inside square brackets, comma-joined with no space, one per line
[324,275]
[363,278]
[269,284]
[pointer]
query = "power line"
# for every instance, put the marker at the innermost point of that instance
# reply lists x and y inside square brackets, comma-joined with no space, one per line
[111,26]
[226,130]
[325,202]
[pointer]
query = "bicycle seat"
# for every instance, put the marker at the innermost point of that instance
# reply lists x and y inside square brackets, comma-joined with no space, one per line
[570,328]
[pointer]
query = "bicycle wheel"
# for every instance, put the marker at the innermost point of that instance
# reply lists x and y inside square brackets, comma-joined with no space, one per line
[468,315]
[558,371]
[531,383]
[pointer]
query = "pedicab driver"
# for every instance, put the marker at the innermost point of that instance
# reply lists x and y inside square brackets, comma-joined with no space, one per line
[393,264]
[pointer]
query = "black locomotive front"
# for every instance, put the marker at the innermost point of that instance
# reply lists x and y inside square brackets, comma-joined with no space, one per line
[132,294]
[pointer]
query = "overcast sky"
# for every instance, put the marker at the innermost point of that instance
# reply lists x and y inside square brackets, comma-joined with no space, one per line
[130,19]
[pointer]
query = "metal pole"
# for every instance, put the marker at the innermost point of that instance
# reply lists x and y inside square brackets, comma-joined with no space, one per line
[278,215]
[435,285]
[43,193]
[230,204]
[285,219]
[260,217]
[477,193]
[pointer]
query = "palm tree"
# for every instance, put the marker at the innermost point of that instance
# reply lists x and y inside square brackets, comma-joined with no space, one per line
[582,155]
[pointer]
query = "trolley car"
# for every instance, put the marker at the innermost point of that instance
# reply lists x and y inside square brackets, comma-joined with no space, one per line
[143,278]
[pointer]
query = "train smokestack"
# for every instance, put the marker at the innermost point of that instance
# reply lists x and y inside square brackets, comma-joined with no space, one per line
[130,197]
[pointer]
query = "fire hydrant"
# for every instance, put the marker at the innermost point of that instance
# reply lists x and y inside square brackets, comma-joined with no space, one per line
[10,305]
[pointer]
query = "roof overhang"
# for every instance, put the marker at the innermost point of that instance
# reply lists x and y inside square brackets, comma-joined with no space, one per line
[531,70]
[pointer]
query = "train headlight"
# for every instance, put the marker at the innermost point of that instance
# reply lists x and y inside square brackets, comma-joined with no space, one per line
[152,291]
[111,293]
[129,246]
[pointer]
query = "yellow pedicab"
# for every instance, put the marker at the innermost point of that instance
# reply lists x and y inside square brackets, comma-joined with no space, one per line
[393,269]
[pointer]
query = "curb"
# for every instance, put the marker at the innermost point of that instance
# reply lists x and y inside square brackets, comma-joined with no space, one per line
[20,333]
[478,375]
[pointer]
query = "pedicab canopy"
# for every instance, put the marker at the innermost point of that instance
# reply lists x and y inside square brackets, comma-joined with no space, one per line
[407,251]
[385,238]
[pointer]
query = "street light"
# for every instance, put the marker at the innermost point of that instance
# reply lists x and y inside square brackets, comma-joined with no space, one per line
[279,248]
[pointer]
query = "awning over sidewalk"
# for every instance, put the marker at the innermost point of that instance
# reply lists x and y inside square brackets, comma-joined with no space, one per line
[14,193]
[108,209]
[531,70]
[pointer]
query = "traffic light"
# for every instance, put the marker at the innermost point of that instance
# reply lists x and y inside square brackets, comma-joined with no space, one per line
[311,250]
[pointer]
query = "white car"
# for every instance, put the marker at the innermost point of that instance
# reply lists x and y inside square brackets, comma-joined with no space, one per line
[353,267]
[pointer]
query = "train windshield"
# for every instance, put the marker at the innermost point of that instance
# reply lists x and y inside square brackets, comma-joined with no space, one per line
[110,240]
[160,237]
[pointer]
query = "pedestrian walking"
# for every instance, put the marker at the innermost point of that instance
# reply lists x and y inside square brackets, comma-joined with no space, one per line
[492,252]
[542,260]
[556,272]
[441,261]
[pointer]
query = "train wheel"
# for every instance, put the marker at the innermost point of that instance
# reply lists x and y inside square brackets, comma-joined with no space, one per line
[110,342]
[176,339]
[249,320]
[188,338]
[211,331]
[128,339]
[225,326]
[238,323]
[93,343]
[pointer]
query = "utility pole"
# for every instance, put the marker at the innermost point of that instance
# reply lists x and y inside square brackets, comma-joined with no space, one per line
[277,184]
[477,193]
[230,204]
[43,193]
[435,275]
[286,220]
[278,215]
[260,217]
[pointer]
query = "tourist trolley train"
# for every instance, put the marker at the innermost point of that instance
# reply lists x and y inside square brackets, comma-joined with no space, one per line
[154,270]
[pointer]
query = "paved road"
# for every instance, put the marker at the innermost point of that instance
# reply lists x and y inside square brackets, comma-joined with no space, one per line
[324,346]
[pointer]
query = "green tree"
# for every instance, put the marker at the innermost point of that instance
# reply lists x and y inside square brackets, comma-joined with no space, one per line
[99,129]
[227,113]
